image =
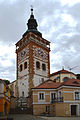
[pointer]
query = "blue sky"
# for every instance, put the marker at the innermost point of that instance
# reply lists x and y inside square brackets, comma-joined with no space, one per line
[59,22]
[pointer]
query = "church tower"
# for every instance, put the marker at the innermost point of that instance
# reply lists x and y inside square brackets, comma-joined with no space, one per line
[33,63]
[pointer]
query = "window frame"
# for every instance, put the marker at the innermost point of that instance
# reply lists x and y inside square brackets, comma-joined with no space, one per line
[51,95]
[78,95]
[37,65]
[47,108]
[25,65]
[59,94]
[39,96]
[21,67]
[43,66]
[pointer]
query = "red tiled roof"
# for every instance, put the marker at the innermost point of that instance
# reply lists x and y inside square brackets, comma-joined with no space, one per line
[72,82]
[61,71]
[49,84]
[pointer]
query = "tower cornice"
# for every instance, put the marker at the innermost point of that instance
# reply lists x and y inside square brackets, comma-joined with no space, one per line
[31,37]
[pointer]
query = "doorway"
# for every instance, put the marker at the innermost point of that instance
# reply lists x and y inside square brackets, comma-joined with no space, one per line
[5,108]
[74,110]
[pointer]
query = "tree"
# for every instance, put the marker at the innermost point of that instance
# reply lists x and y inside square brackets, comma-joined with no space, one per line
[78,76]
[7,82]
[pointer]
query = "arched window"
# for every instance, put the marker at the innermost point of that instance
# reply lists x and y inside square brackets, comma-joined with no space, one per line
[65,78]
[21,67]
[38,65]
[25,65]
[43,67]
[22,93]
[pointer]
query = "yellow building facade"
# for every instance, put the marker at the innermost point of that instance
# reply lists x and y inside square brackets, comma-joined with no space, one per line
[57,99]
[62,75]
[4,98]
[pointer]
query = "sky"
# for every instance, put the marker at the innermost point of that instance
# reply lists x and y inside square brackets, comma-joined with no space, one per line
[59,23]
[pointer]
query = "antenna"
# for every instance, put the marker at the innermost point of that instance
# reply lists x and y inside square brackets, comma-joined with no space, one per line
[71,69]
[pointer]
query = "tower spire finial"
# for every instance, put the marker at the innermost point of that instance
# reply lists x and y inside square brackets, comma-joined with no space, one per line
[31,10]
[32,25]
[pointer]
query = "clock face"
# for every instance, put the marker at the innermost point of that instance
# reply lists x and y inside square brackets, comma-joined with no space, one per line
[23,53]
[41,53]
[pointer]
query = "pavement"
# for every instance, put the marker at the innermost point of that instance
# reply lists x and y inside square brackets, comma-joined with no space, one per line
[32,117]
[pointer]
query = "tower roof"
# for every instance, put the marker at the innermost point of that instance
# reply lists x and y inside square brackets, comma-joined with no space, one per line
[32,25]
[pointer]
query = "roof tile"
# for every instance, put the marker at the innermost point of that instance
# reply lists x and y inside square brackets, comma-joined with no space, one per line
[49,84]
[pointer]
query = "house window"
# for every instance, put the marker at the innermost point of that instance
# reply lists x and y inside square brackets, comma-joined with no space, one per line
[59,94]
[47,108]
[41,96]
[77,96]
[20,67]
[65,79]
[53,96]
[25,65]
[22,93]
[38,65]
[43,67]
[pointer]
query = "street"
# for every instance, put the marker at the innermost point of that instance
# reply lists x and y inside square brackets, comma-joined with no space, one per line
[32,117]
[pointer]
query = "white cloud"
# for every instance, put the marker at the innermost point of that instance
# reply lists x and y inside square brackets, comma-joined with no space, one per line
[7,61]
[68,20]
[70,2]
[9,1]
[59,23]
[8,50]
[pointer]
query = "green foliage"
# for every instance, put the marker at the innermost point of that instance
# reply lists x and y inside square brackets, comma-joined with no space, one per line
[78,76]
[7,82]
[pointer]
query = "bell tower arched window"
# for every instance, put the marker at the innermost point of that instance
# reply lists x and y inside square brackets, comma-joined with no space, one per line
[25,65]
[43,67]
[21,67]
[38,65]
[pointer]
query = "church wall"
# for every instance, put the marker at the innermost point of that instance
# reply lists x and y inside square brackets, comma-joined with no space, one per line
[38,79]
[13,87]
[40,71]
[23,86]
[24,71]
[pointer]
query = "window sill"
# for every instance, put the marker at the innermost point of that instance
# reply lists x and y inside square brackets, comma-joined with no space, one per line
[77,98]
[41,100]
[37,68]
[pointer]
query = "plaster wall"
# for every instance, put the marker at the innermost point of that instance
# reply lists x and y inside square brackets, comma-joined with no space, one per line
[24,71]
[23,86]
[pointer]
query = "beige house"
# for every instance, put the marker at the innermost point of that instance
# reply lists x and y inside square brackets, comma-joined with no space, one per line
[13,87]
[57,99]
[62,75]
